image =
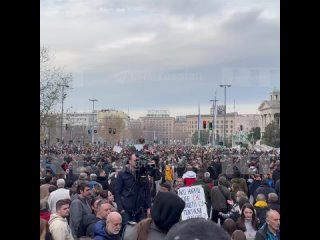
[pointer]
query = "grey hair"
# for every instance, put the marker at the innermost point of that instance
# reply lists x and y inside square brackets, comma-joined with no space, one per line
[93,177]
[273,197]
[261,197]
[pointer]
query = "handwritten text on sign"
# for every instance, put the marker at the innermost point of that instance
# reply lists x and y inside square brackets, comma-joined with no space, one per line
[195,202]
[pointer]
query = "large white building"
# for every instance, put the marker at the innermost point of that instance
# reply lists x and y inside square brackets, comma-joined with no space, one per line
[270,110]
[80,119]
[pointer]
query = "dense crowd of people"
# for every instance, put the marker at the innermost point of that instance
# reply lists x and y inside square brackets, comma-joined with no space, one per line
[94,192]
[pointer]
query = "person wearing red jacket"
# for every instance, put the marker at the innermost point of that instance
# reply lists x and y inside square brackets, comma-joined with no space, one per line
[189,177]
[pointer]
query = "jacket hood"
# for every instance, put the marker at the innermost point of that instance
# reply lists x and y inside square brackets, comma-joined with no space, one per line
[166,210]
[55,217]
[189,174]
[261,204]
[45,215]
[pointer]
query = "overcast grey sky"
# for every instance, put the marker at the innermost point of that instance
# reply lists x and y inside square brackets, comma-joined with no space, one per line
[164,54]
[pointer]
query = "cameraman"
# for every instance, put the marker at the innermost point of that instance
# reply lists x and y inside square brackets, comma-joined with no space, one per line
[132,193]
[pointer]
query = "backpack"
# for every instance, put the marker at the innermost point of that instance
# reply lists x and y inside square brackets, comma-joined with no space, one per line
[157,175]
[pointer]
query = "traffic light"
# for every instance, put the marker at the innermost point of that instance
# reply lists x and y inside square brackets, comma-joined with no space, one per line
[95,131]
[110,130]
[210,125]
[66,126]
[204,124]
[89,131]
[241,127]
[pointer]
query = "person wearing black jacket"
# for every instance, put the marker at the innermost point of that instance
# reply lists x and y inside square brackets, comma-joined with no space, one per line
[102,179]
[132,193]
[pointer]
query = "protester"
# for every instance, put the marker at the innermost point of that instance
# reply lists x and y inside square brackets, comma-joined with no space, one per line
[165,212]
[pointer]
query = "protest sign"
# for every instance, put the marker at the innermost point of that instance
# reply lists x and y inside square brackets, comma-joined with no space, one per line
[195,202]
[117,149]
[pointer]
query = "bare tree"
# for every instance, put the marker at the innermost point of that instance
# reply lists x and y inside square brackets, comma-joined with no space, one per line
[51,80]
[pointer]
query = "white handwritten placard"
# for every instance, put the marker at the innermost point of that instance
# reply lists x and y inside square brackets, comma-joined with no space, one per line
[195,202]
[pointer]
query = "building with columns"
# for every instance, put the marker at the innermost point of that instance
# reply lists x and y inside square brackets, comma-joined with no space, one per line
[270,110]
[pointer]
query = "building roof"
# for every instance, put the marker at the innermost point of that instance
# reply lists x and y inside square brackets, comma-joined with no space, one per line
[210,115]
[269,105]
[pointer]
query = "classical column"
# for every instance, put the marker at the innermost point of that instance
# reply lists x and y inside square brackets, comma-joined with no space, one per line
[270,118]
[262,127]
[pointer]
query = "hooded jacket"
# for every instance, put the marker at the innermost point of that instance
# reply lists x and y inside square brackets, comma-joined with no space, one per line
[189,178]
[59,228]
[154,233]
[101,234]
[261,208]
[165,212]
[78,209]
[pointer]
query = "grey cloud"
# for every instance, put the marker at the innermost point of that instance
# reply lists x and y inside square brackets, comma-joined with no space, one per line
[120,48]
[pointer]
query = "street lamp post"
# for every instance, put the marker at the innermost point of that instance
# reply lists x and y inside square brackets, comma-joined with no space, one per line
[225,85]
[213,118]
[63,96]
[92,128]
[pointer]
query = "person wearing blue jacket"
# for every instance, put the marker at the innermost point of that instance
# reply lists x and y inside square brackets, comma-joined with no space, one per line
[108,229]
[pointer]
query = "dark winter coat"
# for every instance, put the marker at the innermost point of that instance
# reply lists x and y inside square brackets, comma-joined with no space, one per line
[131,194]
[264,234]
[104,182]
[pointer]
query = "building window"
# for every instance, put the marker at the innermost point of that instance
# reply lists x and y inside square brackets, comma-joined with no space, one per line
[230,131]
[231,126]
[226,131]
[231,121]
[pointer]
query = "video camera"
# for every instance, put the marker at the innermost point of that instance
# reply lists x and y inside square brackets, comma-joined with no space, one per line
[144,166]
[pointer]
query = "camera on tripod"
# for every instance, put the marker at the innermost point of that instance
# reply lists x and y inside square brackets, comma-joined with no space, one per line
[144,166]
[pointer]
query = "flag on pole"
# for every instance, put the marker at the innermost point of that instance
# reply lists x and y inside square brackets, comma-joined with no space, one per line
[198,117]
